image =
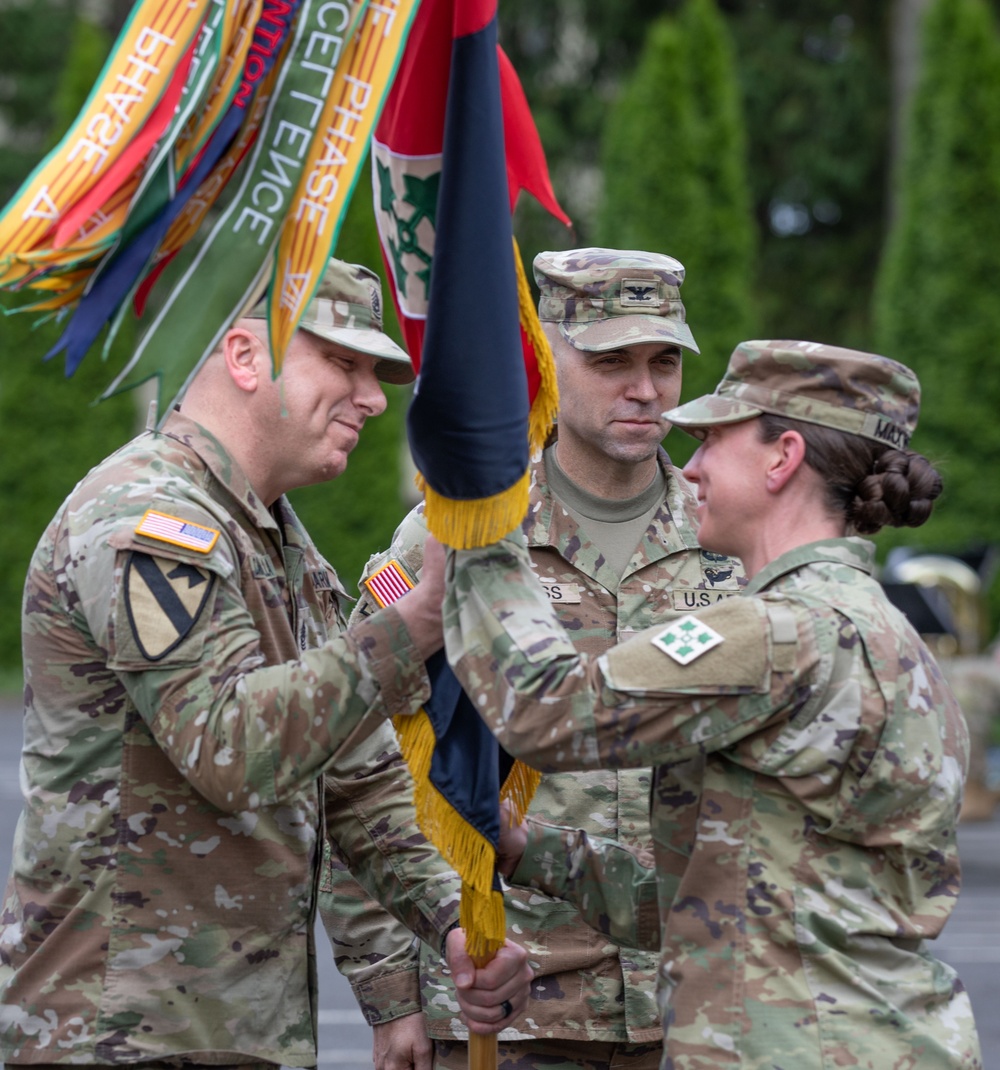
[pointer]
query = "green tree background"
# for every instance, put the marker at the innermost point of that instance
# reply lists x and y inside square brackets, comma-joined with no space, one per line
[702,212]
[936,308]
[755,141]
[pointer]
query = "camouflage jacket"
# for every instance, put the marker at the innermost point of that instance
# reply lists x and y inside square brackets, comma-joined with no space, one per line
[808,762]
[586,988]
[187,684]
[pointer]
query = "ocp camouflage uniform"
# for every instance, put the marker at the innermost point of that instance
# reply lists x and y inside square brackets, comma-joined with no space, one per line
[807,780]
[586,988]
[185,691]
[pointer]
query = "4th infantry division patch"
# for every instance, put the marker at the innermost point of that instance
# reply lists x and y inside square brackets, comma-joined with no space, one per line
[164,600]
[687,639]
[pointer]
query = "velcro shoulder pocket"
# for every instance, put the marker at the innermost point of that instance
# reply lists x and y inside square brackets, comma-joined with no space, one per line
[162,608]
[724,650]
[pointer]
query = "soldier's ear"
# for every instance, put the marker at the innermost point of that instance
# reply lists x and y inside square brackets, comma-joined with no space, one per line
[788,455]
[242,352]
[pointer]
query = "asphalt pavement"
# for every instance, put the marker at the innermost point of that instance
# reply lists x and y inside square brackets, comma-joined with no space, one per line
[970,942]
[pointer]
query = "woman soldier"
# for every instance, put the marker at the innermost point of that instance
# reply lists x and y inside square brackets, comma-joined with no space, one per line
[808,758]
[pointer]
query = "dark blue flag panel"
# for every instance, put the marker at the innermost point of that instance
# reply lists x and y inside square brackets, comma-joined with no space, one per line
[468,423]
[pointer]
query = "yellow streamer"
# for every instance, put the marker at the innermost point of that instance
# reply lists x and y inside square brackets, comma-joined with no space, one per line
[134,78]
[545,407]
[338,148]
[237,36]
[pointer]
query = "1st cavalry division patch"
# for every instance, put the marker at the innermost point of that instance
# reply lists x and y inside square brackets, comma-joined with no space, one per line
[164,600]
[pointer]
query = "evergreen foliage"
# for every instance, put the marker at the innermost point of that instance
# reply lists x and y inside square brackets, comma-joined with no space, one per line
[815,76]
[88,50]
[34,39]
[816,90]
[936,308]
[675,181]
[51,435]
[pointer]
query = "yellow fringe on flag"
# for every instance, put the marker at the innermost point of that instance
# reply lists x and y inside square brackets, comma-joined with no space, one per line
[476,522]
[481,916]
[519,789]
[546,404]
[468,851]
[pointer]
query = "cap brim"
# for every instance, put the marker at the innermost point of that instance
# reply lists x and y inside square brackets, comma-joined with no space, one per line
[393,365]
[697,415]
[617,331]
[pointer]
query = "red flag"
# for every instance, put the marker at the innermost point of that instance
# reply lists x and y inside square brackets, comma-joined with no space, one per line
[526,166]
[406,161]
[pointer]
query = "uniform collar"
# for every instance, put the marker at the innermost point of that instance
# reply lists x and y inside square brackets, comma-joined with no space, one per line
[672,529]
[851,552]
[226,470]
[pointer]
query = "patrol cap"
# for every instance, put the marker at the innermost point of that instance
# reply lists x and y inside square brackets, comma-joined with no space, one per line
[347,308]
[607,298]
[845,389]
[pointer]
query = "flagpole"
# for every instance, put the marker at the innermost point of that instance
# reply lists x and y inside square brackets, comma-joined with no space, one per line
[456,100]
[482,1051]
[482,1047]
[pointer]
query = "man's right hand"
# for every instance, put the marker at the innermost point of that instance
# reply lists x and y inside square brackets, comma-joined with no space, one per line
[402,1044]
[491,996]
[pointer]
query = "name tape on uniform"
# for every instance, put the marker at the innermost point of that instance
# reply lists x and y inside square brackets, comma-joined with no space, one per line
[566,593]
[176,531]
[688,598]
[687,639]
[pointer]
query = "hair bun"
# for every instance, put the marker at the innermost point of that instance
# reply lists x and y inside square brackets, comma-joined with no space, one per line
[899,493]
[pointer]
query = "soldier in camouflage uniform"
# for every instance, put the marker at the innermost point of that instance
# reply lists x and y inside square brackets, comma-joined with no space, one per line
[188,681]
[807,755]
[611,533]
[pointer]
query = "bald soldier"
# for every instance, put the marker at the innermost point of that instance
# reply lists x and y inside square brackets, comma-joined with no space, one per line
[188,681]
[611,536]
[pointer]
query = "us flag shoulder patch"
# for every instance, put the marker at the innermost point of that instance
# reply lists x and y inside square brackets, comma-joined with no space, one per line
[388,583]
[177,532]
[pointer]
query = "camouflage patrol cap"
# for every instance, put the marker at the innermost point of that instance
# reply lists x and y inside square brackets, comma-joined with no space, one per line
[861,393]
[607,298]
[347,309]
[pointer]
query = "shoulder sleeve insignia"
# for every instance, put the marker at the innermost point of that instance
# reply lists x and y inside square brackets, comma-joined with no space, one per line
[687,639]
[388,583]
[177,532]
[164,600]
